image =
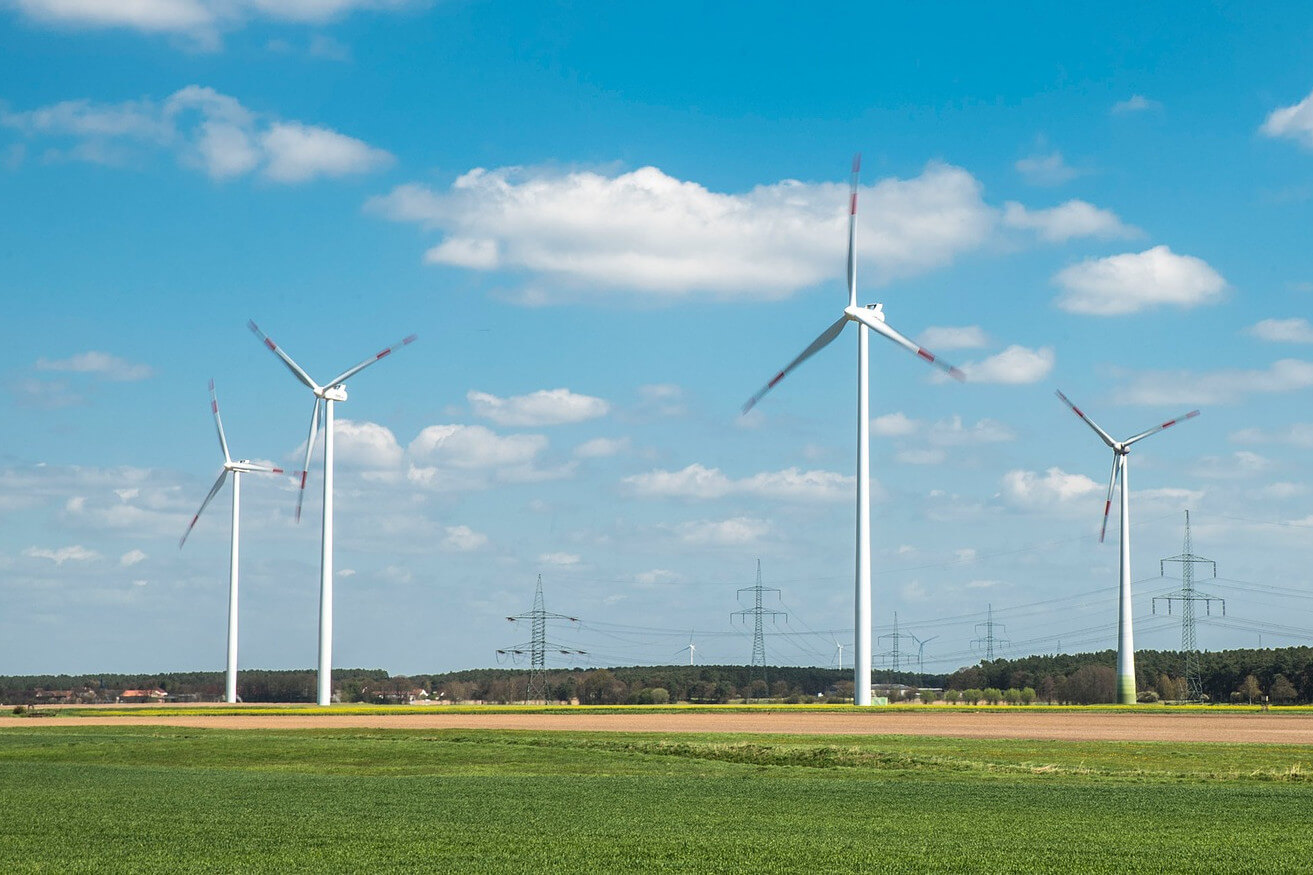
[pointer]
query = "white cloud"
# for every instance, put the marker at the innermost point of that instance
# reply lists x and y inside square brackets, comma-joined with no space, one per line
[1135,103]
[1075,218]
[897,424]
[75,553]
[656,577]
[702,483]
[1050,169]
[463,539]
[1281,491]
[132,557]
[205,129]
[473,447]
[600,448]
[544,407]
[297,153]
[938,338]
[952,433]
[733,532]
[647,232]
[100,364]
[200,21]
[1299,434]
[560,560]
[1032,491]
[1293,122]
[1132,282]
[1239,465]
[1296,330]
[364,445]
[1217,387]
[1014,365]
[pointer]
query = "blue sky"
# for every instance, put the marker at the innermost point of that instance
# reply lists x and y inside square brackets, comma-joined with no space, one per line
[609,227]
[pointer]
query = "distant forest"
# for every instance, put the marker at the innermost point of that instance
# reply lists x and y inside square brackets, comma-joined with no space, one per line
[1283,676]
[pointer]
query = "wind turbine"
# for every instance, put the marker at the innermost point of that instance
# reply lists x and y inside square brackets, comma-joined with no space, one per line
[691,648]
[871,316]
[325,397]
[1120,471]
[238,468]
[838,649]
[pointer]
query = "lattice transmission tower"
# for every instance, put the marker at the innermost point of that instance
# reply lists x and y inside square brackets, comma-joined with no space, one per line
[1187,595]
[537,646]
[988,640]
[894,657]
[758,614]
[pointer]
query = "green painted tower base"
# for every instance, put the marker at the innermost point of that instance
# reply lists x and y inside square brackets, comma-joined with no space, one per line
[1126,690]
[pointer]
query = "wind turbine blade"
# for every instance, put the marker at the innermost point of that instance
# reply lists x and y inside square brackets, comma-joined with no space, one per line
[261,469]
[817,345]
[1107,438]
[1157,428]
[218,423]
[1112,484]
[292,366]
[876,324]
[351,372]
[309,448]
[214,490]
[852,230]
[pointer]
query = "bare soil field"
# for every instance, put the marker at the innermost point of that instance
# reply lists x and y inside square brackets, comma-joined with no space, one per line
[1243,728]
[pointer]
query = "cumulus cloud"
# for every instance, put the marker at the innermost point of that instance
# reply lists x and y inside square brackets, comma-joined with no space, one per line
[952,433]
[1046,170]
[1132,282]
[733,532]
[1135,103]
[132,557]
[1292,122]
[1217,387]
[472,456]
[1031,490]
[1300,434]
[702,483]
[204,129]
[98,364]
[897,424]
[943,337]
[600,448]
[463,539]
[559,560]
[1014,365]
[364,445]
[544,407]
[1295,330]
[201,22]
[645,231]
[1059,224]
[75,553]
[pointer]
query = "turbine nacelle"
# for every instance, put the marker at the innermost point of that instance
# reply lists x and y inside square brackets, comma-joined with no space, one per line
[332,393]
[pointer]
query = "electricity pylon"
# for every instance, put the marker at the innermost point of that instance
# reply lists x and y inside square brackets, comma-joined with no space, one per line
[1187,595]
[538,645]
[988,639]
[758,613]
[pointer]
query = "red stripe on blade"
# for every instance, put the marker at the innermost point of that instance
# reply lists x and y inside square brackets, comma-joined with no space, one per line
[852,204]
[775,379]
[925,355]
[304,474]
[269,343]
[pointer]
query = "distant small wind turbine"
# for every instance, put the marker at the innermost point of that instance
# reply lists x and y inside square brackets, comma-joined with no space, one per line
[325,397]
[871,316]
[1120,471]
[238,468]
[691,648]
[838,648]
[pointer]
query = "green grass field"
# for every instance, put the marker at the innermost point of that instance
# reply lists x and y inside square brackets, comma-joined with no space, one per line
[132,799]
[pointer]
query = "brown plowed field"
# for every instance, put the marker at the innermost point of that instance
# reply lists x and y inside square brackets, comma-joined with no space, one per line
[1270,727]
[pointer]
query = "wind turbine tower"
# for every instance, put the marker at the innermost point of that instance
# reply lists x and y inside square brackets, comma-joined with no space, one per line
[869,317]
[1121,471]
[237,469]
[325,397]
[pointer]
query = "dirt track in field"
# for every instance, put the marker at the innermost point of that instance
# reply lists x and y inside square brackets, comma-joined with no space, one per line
[1251,728]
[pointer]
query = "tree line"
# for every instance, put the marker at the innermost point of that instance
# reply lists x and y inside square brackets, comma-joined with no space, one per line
[1282,675]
